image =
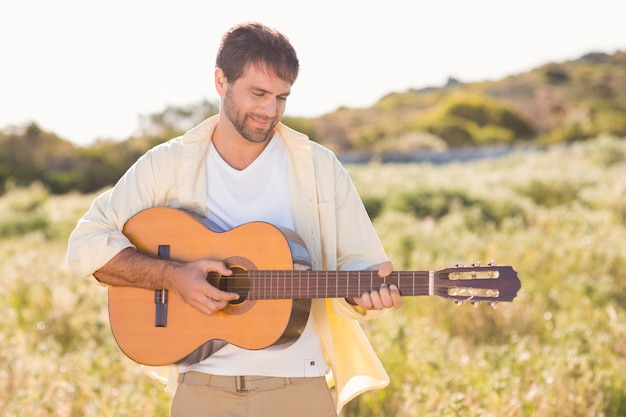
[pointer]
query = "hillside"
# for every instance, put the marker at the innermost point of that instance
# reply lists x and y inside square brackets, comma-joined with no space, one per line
[555,103]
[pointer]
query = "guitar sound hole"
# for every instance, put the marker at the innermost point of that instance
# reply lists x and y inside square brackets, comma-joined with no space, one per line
[238,282]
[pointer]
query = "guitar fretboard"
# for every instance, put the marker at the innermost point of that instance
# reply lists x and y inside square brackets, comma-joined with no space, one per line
[275,285]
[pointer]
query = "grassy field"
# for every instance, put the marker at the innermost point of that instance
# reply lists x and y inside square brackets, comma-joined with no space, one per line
[558,217]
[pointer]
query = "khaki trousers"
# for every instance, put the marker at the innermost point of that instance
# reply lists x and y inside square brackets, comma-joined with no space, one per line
[202,395]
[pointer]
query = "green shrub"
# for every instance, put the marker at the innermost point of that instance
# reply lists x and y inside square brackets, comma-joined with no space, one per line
[373,206]
[22,210]
[551,193]
[437,203]
[467,120]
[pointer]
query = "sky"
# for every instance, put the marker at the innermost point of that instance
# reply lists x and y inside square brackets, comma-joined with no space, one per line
[87,70]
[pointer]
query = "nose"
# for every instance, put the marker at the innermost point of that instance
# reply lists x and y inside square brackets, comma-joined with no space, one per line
[269,107]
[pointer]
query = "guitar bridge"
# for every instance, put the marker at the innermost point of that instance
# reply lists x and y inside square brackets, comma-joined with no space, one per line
[160,308]
[160,296]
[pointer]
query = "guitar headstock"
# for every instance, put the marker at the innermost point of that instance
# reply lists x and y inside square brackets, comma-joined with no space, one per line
[490,283]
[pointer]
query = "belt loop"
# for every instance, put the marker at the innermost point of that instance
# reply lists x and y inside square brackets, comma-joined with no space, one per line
[241,383]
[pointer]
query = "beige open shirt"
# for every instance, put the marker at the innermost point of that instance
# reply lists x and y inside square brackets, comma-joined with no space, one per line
[329,217]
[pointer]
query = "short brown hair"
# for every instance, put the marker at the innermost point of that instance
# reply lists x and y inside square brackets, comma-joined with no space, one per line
[255,43]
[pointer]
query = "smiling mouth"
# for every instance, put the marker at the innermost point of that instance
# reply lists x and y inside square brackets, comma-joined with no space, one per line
[261,123]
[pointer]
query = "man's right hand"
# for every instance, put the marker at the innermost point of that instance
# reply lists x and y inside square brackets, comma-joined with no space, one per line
[191,285]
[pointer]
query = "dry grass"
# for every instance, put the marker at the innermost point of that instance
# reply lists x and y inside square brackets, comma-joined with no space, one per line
[558,217]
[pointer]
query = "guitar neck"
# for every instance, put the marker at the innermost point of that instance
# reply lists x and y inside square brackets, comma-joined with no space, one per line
[274,285]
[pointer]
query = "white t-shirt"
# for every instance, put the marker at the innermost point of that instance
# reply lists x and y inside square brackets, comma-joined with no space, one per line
[260,192]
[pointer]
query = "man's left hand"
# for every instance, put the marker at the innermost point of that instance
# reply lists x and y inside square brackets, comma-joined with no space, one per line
[386,296]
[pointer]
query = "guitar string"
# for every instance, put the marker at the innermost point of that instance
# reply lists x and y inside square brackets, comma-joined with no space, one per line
[282,292]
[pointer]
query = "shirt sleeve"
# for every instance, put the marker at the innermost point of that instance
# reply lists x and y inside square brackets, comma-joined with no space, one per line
[96,239]
[98,235]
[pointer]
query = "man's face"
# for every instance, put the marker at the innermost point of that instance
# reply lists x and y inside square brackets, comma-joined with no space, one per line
[255,103]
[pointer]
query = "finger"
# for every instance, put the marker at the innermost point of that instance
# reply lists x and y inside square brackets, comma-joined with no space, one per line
[364,301]
[385,269]
[219,295]
[217,305]
[211,265]
[390,296]
[210,306]
[211,291]
[385,296]
[396,297]
[376,300]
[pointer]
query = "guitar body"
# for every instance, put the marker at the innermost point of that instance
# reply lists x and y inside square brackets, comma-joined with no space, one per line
[250,324]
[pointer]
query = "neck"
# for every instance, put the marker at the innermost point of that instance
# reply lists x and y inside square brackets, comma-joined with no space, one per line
[235,150]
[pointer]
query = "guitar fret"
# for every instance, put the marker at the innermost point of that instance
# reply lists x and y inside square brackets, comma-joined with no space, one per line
[262,292]
[285,286]
[326,285]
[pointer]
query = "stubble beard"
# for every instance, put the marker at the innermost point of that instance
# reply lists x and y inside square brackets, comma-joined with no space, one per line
[239,120]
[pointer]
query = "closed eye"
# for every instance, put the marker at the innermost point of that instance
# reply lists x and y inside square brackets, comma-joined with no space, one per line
[261,93]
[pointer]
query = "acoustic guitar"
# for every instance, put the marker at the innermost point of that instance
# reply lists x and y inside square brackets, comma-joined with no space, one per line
[271,273]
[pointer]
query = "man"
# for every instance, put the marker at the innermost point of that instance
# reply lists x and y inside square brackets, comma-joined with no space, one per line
[239,166]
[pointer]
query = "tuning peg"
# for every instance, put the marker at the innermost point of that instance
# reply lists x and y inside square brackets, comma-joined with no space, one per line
[458,302]
[492,263]
[475,303]
[493,304]
[459,265]
[476,263]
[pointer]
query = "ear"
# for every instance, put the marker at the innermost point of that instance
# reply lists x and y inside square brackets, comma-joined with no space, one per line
[221,82]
